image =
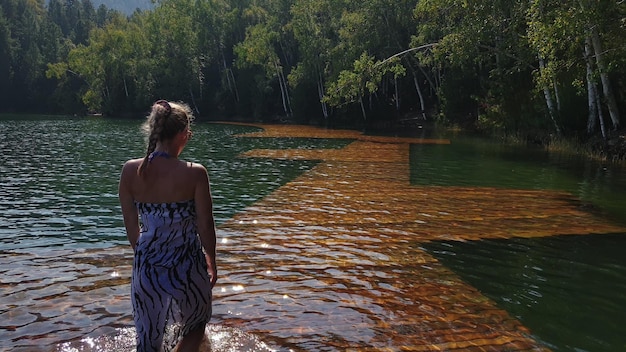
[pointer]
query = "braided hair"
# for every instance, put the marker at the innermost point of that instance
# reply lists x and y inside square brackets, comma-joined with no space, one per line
[166,119]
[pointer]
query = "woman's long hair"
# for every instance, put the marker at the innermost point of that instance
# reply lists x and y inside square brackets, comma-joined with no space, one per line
[166,119]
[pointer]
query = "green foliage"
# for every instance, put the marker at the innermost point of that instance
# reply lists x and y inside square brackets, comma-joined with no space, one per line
[501,44]
[258,49]
[484,64]
[363,79]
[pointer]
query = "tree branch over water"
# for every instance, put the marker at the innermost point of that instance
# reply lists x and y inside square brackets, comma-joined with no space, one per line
[421,47]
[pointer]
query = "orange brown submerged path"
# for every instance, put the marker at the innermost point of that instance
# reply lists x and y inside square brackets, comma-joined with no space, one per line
[340,247]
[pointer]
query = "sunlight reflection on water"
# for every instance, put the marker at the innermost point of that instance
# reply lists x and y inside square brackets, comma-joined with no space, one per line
[334,261]
[217,339]
[64,259]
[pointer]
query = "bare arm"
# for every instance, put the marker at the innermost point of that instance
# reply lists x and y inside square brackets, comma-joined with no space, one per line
[129,211]
[205,220]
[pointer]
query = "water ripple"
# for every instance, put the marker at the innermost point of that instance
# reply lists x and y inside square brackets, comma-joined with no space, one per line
[65,263]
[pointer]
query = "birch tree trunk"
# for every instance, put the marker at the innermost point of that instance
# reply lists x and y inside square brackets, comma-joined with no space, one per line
[362,108]
[229,76]
[286,89]
[418,88]
[232,77]
[395,83]
[592,94]
[591,102]
[600,113]
[321,93]
[421,96]
[548,96]
[283,90]
[604,77]
[594,36]
[193,101]
[557,96]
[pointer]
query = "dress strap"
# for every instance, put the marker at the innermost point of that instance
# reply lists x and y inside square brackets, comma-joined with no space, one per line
[157,153]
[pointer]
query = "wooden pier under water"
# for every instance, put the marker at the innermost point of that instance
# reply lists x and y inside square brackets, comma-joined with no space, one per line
[359,199]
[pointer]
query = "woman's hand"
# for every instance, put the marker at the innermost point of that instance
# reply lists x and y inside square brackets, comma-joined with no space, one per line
[212,269]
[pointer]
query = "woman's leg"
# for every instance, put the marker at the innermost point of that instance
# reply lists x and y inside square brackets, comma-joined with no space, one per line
[191,342]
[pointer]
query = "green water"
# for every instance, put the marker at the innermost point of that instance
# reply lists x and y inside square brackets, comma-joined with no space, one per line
[569,290]
[58,195]
[59,175]
[474,162]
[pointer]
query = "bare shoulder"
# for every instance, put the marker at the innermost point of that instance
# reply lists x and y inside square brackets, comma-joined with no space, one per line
[131,165]
[133,162]
[127,177]
[129,170]
[197,168]
[198,172]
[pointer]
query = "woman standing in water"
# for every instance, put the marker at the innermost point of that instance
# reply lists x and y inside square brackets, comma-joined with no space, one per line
[174,266]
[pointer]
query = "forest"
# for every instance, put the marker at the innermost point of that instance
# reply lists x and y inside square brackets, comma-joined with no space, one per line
[543,67]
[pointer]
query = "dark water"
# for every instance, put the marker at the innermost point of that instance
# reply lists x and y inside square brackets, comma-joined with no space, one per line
[569,290]
[58,200]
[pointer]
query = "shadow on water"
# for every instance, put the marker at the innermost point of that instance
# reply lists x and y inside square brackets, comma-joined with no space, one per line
[567,289]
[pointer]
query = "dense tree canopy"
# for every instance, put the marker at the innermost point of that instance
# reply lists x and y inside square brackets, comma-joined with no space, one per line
[506,65]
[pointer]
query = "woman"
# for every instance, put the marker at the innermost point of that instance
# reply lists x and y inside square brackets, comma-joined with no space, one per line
[172,275]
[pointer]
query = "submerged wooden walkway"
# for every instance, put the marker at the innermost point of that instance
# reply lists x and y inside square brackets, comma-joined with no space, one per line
[348,233]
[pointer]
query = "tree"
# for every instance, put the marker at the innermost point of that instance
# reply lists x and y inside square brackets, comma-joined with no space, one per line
[484,44]
[314,24]
[174,50]
[363,80]
[565,32]
[261,48]
[26,26]
[595,16]
[109,65]
[6,48]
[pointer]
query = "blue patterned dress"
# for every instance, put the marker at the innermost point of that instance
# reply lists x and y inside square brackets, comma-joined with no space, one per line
[170,288]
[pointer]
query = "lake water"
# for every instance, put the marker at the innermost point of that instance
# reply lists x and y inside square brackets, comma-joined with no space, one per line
[65,262]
